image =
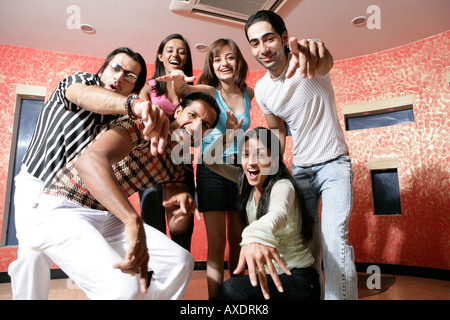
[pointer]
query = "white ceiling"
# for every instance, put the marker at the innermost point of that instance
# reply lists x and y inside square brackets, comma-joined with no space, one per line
[142,24]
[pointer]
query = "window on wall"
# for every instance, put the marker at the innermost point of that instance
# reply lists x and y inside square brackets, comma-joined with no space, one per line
[29,102]
[385,187]
[379,113]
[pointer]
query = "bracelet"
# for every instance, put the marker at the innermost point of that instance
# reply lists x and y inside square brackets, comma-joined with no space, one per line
[132,99]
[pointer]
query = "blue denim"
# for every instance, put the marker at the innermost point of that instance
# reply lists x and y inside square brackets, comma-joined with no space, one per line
[333,182]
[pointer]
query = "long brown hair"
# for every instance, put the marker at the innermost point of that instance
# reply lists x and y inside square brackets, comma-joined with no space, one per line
[208,75]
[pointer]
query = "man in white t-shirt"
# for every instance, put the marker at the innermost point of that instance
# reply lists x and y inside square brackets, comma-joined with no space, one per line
[297,90]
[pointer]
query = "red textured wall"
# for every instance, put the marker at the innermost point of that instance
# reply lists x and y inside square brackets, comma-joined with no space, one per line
[419,237]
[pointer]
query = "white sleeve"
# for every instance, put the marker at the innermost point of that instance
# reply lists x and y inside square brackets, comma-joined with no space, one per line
[263,231]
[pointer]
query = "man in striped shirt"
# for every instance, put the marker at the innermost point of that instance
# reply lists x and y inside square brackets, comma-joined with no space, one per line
[86,224]
[297,90]
[75,112]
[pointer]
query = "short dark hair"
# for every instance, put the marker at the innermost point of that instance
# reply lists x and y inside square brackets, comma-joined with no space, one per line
[273,19]
[208,99]
[136,57]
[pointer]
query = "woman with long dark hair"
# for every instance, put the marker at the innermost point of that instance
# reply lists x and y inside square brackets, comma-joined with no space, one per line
[223,77]
[278,225]
[173,54]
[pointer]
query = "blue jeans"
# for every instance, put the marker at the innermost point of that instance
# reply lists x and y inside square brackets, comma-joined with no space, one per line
[332,181]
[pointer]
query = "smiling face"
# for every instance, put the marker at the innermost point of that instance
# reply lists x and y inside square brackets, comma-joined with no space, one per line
[268,47]
[192,122]
[224,64]
[256,161]
[117,76]
[174,55]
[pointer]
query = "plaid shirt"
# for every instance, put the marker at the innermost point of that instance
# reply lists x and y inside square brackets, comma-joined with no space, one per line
[137,171]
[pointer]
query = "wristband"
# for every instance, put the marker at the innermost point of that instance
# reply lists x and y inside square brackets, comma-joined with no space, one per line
[132,99]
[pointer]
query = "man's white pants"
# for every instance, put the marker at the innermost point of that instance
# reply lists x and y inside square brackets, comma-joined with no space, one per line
[86,243]
[30,273]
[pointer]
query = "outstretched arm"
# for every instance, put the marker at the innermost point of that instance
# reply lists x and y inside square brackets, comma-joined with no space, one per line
[310,56]
[102,101]
[181,86]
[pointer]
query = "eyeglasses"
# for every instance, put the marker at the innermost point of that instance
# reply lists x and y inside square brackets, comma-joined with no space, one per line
[127,75]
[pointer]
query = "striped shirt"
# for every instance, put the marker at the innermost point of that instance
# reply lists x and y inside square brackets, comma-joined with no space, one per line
[62,130]
[137,171]
[309,109]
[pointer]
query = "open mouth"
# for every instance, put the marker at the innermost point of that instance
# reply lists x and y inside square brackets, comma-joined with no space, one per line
[253,173]
[175,63]
[114,87]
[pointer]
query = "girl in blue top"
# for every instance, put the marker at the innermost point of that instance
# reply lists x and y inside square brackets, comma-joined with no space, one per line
[223,77]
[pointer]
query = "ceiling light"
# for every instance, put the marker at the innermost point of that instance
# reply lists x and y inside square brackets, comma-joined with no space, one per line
[359,21]
[201,47]
[87,28]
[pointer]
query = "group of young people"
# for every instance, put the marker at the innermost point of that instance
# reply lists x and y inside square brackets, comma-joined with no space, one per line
[102,137]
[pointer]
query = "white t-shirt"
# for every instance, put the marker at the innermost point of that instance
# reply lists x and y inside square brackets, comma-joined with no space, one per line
[309,109]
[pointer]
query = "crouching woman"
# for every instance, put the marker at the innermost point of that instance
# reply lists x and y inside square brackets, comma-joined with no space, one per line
[275,240]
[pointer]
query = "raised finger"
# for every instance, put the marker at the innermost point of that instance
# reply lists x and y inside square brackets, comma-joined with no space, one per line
[241,264]
[274,275]
[160,120]
[252,272]
[263,281]
[143,280]
[163,136]
[149,123]
[313,58]
[294,63]
[153,136]
[303,57]
[197,214]
[281,263]
[321,49]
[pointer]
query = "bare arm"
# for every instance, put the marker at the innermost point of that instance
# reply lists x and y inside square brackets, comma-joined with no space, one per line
[180,84]
[96,99]
[95,169]
[102,101]
[276,123]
